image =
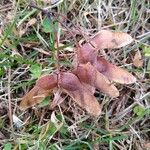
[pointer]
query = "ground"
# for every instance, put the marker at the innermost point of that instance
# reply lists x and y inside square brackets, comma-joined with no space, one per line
[27,51]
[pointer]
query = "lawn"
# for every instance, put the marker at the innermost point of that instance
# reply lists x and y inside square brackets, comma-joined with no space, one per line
[40,38]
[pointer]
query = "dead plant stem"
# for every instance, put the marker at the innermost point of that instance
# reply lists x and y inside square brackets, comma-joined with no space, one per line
[9,101]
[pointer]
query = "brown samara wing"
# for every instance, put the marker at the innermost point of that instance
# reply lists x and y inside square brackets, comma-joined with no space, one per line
[108,39]
[89,74]
[114,73]
[82,96]
[42,89]
[86,53]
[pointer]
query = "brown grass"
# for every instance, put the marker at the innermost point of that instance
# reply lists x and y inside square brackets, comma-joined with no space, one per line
[124,123]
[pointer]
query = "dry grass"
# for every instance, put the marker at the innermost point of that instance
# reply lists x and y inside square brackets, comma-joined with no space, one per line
[26,52]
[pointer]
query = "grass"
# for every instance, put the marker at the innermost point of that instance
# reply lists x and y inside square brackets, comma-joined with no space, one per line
[28,51]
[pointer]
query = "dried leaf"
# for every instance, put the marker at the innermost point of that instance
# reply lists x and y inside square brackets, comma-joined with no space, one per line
[113,72]
[109,39]
[23,30]
[31,22]
[42,89]
[88,74]
[137,60]
[84,98]
[63,46]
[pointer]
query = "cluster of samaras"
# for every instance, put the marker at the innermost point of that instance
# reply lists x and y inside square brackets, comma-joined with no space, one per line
[90,72]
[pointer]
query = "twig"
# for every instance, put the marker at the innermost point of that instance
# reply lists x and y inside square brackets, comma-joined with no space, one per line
[57,52]
[9,101]
[5,7]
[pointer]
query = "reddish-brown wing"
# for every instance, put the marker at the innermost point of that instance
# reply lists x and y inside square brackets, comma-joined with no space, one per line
[86,53]
[108,39]
[42,89]
[114,73]
[89,74]
[83,97]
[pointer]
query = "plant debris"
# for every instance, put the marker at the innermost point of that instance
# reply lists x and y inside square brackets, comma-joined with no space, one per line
[91,69]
